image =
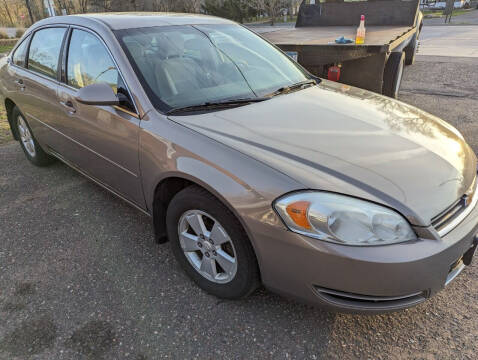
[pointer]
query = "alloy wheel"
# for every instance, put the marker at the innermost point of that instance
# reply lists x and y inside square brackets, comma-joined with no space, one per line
[207,246]
[26,136]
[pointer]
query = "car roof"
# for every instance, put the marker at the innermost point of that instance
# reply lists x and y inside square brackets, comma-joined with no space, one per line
[127,20]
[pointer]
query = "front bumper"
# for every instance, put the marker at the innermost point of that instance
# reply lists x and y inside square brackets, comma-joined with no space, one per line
[363,279]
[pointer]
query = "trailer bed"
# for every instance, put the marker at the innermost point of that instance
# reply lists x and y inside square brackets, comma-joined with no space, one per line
[392,28]
[376,36]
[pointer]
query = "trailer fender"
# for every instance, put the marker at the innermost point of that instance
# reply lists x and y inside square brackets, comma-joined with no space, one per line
[393,73]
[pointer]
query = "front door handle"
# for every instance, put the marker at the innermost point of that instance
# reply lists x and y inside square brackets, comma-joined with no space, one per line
[20,83]
[69,105]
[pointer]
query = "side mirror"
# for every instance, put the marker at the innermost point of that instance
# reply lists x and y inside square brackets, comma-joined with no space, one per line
[97,94]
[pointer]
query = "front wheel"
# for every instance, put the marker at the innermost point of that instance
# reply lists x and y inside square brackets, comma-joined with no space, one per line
[30,146]
[211,245]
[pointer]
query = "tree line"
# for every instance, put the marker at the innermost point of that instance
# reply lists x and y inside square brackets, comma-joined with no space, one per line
[22,13]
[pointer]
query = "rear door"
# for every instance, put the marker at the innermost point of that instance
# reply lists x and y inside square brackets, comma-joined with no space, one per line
[16,72]
[37,82]
[103,139]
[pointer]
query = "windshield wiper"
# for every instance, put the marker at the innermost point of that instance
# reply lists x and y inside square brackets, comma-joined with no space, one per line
[298,86]
[217,105]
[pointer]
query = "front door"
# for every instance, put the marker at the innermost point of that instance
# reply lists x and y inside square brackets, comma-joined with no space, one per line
[103,139]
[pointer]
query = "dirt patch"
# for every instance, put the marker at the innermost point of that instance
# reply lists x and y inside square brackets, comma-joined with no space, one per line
[30,337]
[25,289]
[93,339]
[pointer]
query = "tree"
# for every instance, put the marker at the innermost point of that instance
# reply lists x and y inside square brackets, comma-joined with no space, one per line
[98,6]
[83,5]
[27,4]
[8,12]
[237,10]
[271,7]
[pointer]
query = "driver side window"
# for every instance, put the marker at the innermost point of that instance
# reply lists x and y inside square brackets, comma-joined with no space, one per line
[89,62]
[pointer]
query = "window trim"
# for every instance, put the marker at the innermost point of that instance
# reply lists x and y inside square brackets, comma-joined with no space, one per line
[64,64]
[33,33]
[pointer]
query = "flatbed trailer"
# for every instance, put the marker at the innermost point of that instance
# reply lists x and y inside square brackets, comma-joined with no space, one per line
[393,28]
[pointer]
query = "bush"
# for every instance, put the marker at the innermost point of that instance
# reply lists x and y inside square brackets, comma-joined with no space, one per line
[19,33]
[3,35]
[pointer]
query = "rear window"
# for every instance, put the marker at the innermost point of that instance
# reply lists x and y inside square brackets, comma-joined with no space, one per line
[45,50]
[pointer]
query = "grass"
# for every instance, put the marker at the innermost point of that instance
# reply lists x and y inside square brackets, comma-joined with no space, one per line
[439,13]
[5,133]
[267,20]
[5,48]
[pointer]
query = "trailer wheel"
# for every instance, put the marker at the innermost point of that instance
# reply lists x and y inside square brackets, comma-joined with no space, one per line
[393,73]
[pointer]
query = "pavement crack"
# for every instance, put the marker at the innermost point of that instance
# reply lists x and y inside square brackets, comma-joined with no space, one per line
[440,93]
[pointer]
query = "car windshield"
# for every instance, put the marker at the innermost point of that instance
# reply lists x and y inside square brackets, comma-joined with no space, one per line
[182,66]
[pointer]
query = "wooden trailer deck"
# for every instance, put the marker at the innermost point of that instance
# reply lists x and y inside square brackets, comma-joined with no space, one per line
[380,37]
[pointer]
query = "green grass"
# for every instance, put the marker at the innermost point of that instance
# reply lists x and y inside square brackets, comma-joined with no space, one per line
[5,48]
[5,133]
[439,13]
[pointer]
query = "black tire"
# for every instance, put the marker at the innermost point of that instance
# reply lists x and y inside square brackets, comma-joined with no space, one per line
[246,278]
[38,157]
[393,73]
[411,51]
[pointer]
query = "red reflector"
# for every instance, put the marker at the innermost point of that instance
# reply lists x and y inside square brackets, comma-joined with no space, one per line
[334,73]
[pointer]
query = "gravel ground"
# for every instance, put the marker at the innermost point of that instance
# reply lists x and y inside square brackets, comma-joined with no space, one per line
[82,278]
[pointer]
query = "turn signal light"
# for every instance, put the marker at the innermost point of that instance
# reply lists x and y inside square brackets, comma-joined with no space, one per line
[298,213]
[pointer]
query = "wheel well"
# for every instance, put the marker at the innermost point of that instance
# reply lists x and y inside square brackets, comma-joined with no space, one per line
[9,105]
[163,195]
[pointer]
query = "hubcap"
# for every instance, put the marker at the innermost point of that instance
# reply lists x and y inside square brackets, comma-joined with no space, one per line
[26,136]
[207,246]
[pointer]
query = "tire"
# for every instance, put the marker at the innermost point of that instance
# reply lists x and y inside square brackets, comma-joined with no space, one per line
[393,73]
[185,208]
[33,151]
[411,51]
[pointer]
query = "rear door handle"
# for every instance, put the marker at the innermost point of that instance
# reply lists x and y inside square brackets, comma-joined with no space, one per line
[69,105]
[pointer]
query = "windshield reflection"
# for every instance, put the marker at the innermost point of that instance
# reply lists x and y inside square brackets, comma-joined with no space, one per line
[184,66]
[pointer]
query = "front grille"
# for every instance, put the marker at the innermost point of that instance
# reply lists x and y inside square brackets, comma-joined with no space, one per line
[453,215]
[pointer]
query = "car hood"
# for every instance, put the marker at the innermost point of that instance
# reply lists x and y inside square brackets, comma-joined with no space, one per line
[338,138]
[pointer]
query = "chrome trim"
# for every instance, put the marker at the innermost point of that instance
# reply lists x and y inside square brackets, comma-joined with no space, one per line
[455,222]
[455,272]
[130,113]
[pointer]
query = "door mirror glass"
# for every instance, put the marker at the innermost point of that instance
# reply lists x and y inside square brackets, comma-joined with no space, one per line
[100,94]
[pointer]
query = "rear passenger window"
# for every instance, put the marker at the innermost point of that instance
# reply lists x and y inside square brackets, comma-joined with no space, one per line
[20,53]
[45,50]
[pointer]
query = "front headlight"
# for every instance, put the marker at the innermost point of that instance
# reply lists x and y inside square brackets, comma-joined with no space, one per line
[342,219]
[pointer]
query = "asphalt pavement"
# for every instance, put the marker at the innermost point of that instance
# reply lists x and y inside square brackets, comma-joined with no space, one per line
[82,278]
